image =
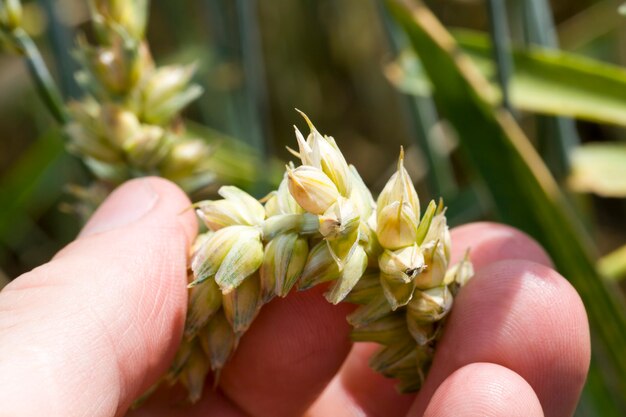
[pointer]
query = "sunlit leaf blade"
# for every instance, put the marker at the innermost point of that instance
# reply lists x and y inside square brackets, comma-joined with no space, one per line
[544,81]
[613,265]
[560,83]
[599,168]
[524,193]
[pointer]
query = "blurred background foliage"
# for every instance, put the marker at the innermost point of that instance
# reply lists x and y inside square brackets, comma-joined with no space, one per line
[351,67]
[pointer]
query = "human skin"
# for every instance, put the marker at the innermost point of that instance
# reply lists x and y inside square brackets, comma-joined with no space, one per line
[89,331]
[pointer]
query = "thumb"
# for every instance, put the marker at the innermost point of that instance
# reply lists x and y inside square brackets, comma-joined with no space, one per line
[87,332]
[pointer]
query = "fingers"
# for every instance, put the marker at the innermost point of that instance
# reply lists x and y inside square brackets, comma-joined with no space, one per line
[291,352]
[359,391]
[486,390]
[493,242]
[283,362]
[90,330]
[523,316]
[213,403]
[373,395]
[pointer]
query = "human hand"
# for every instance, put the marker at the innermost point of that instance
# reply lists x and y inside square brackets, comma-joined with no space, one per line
[516,344]
[89,331]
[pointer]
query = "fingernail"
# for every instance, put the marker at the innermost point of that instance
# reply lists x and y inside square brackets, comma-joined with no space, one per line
[126,205]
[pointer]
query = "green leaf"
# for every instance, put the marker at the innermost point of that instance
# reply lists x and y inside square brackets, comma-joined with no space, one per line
[235,162]
[556,136]
[33,183]
[45,84]
[544,81]
[524,193]
[599,168]
[613,265]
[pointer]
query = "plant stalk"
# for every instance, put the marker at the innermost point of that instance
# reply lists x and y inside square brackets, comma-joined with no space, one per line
[499,32]
[46,86]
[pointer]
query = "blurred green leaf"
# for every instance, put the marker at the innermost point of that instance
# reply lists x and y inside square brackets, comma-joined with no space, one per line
[235,162]
[599,168]
[544,81]
[422,118]
[45,84]
[556,136]
[501,48]
[613,265]
[524,193]
[467,205]
[407,74]
[30,186]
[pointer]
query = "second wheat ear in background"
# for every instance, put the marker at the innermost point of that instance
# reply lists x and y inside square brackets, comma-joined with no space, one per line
[322,224]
